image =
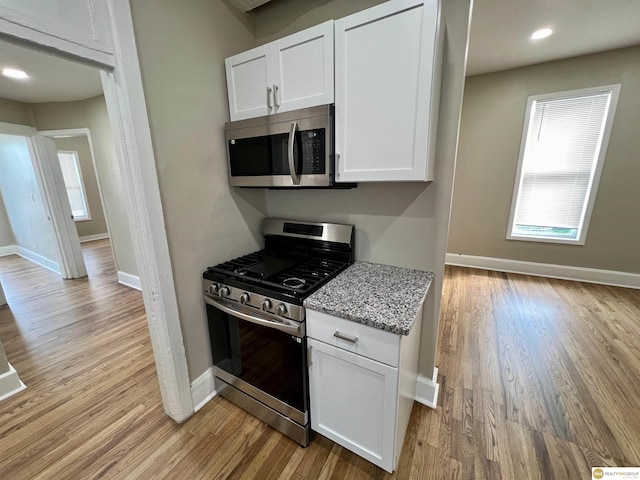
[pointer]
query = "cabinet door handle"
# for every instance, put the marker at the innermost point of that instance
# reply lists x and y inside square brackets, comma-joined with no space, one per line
[337,165]
[309,355]
[346,338]
[269,106]
[275,96]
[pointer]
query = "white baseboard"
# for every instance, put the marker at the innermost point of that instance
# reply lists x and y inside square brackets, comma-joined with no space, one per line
[39,259]
[10,384]
[129,280]
[427,389]
[564,272]
[91,238]
[31,256]
[203,389]
[8,250]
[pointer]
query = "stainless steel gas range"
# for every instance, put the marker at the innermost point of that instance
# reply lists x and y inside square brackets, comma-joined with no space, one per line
[257,321]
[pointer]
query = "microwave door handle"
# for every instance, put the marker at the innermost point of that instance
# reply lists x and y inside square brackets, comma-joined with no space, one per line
[295,178]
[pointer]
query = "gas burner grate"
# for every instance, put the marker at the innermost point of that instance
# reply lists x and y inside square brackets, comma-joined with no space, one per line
[310,273]
[238,266]
[252,271]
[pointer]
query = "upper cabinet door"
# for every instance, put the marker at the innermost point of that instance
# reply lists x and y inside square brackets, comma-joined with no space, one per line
[249,83]
[290,73]
[303,68]
[387,74]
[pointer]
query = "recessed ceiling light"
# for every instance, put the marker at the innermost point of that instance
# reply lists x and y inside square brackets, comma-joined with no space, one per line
[14,73]
[542,33]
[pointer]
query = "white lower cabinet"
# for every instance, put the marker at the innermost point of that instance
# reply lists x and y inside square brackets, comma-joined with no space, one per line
[353,402]
[362,385]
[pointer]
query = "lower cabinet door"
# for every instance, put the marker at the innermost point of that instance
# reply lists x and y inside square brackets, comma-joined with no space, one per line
[353,402]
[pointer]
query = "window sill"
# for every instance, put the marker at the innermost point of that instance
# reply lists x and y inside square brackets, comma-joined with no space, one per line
[561,241]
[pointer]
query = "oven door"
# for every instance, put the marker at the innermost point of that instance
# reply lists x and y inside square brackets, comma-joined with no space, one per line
[262,355]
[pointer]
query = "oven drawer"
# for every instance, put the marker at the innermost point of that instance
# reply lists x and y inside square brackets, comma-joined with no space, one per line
[354,337]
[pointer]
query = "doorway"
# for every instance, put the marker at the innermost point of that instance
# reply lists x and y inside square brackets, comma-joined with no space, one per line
[106,39]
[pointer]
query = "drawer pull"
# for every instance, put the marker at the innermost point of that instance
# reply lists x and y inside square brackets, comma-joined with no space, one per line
[346,338]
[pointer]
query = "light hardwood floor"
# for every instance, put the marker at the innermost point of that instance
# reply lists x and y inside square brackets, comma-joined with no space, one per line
[539,379]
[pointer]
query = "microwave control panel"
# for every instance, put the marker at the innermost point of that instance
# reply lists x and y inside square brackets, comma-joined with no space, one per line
[312,144]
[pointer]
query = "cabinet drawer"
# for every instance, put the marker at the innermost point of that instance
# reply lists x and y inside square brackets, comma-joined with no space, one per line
[371,342]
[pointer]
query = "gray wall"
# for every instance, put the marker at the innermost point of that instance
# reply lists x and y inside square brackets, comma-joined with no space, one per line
[4,364]
[284,17]
[21,195]
[402,224]
[6,232]
[97,225]
[92,114]
[492,120]
[182,47]
[10,112]
[14,112]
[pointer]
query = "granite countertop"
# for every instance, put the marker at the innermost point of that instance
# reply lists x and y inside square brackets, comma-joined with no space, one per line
[381,296]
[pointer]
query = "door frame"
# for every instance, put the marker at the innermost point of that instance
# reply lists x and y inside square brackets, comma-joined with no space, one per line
[85,132]
[127,110]
[54,200]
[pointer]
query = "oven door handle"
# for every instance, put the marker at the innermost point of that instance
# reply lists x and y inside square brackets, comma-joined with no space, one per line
[295,178]
[283,326]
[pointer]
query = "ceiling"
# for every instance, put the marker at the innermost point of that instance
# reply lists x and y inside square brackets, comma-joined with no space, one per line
[500,31]
[51,78]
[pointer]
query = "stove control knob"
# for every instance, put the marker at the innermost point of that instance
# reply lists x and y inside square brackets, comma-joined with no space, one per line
[266,305]
[244,298]
[224,291]
[282,309]
[213,288]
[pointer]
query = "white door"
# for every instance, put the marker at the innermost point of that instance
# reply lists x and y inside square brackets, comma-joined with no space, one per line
[303,68]
[385,59]
[249,84]
[55,195]
[353,402]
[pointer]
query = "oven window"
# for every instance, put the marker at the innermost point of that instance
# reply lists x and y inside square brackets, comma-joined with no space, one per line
[268,359]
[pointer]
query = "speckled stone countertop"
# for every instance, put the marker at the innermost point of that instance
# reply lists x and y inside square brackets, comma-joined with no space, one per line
[381,296]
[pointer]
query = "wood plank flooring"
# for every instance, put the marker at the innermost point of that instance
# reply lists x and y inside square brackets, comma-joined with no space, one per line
[539,379]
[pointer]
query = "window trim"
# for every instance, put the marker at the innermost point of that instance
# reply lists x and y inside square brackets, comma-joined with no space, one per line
[614,89]
[76,157]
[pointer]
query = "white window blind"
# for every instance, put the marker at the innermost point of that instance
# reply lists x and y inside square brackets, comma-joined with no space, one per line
[561,151]
[72,175]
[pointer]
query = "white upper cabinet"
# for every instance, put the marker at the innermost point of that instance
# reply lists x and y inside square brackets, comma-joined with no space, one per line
[248,83]
[387,80]
[290,73]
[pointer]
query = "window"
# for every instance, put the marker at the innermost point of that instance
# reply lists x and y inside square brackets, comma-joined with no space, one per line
[563,147]
[72,175]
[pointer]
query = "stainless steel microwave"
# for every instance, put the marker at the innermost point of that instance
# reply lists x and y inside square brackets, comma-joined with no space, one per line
[284,150]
